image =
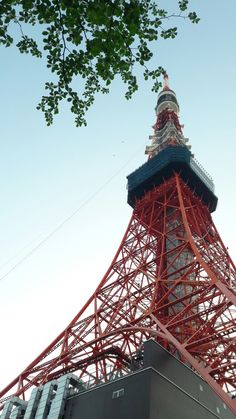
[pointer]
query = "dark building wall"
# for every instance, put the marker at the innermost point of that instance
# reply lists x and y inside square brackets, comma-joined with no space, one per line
[164,389]
[100,402]
[147,395]
[168,401]
[177,372]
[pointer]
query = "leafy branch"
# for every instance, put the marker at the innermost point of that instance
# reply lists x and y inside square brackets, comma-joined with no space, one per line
[94,41]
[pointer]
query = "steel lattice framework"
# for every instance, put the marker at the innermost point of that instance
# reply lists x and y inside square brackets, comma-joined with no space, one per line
[171,279]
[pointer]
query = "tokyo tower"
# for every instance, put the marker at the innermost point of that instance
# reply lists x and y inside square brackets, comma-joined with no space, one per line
[171,281]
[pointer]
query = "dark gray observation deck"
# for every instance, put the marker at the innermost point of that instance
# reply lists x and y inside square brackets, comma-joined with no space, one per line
[173,159]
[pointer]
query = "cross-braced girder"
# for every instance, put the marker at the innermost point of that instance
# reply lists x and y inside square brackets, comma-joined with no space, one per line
[171,279]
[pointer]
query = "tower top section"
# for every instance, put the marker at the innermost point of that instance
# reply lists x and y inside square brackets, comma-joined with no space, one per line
[167,97]
[167,129]
[169,154]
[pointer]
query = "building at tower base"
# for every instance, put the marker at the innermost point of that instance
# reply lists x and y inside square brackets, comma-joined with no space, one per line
[162,388]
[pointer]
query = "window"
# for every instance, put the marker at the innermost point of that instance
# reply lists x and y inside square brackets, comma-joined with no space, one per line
[118,393]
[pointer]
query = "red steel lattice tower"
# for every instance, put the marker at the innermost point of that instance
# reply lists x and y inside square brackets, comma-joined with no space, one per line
[171,279]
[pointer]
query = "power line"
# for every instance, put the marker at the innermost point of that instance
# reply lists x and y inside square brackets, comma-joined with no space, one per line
[66,220]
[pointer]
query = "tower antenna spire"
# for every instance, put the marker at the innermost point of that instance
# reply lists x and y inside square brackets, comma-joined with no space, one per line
[167,129]
[165,84]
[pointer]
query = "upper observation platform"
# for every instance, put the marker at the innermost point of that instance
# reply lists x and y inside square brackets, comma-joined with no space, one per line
[169,153]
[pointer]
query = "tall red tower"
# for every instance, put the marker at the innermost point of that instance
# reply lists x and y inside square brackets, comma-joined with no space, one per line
[171,279]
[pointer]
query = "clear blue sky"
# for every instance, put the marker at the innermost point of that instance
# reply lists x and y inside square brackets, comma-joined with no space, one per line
[47,173]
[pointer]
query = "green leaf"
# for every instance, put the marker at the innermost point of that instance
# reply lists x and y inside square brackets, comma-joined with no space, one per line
[88,44]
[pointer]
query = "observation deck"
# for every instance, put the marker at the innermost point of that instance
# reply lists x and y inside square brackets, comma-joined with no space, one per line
[173,159]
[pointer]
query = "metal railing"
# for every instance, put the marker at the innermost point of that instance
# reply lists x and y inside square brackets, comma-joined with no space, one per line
[202,173]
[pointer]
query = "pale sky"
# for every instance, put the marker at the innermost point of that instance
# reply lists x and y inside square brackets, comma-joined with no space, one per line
[46,174]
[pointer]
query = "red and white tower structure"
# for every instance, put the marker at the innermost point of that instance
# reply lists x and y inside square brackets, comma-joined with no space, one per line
[171,279]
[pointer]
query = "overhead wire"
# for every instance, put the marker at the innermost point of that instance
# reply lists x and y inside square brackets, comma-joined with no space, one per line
[20,251]
[67,219]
